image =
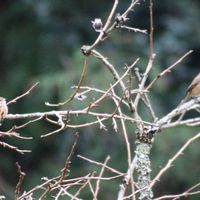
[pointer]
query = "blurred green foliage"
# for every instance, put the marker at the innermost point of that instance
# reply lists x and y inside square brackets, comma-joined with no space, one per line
[41,41]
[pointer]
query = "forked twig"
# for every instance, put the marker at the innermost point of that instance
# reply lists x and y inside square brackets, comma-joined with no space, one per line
[103,32]
[100,175]
[168,70]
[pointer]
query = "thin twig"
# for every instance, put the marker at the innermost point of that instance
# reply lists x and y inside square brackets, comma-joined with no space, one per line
[103,32]
[100,175]
[68,160]
[6,145]
[134,29]
[170,161]
[189,190]
[188,122]
[116,76]
[20,181]
[80,189]
[110,67]
[151,51]
[21,96]
[177,196]
[77,89]
[101,164]
[151,59]
[168,70]
[127,147]
[117,82]
[187,106]
[12,133]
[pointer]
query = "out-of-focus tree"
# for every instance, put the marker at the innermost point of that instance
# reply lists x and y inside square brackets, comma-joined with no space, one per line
[41,40]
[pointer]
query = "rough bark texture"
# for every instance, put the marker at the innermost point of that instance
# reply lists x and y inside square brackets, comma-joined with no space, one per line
[143,167]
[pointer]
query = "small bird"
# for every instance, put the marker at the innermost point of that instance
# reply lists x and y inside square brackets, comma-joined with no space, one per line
[193,90]
[3,108]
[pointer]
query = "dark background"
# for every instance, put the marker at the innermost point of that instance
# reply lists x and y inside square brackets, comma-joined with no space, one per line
[41,41]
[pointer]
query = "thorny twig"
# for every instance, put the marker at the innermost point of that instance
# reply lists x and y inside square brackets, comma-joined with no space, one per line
[68,160]
[21,178]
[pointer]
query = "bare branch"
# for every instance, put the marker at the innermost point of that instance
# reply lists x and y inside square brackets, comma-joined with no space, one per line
[77,89]
[187,106]
[68,160]
[100,175]
[170,161]
[6,145]
[102,34]
[101,164]
[110,67]
[168,70]
[151,54]
[134,29]
[177,196]
[21,96]
[21,178]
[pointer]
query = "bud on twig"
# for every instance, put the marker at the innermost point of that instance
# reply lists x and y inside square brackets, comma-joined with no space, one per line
[119,19]
[97,25]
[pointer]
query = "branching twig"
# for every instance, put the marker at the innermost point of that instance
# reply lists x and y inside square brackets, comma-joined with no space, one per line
[187,106]
[61,124]
[168,70]
[170,161]
[103,32]
[110,67]
[63,184]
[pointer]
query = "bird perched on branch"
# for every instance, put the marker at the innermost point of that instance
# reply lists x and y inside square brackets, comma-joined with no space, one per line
[193,90]
[3,108]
